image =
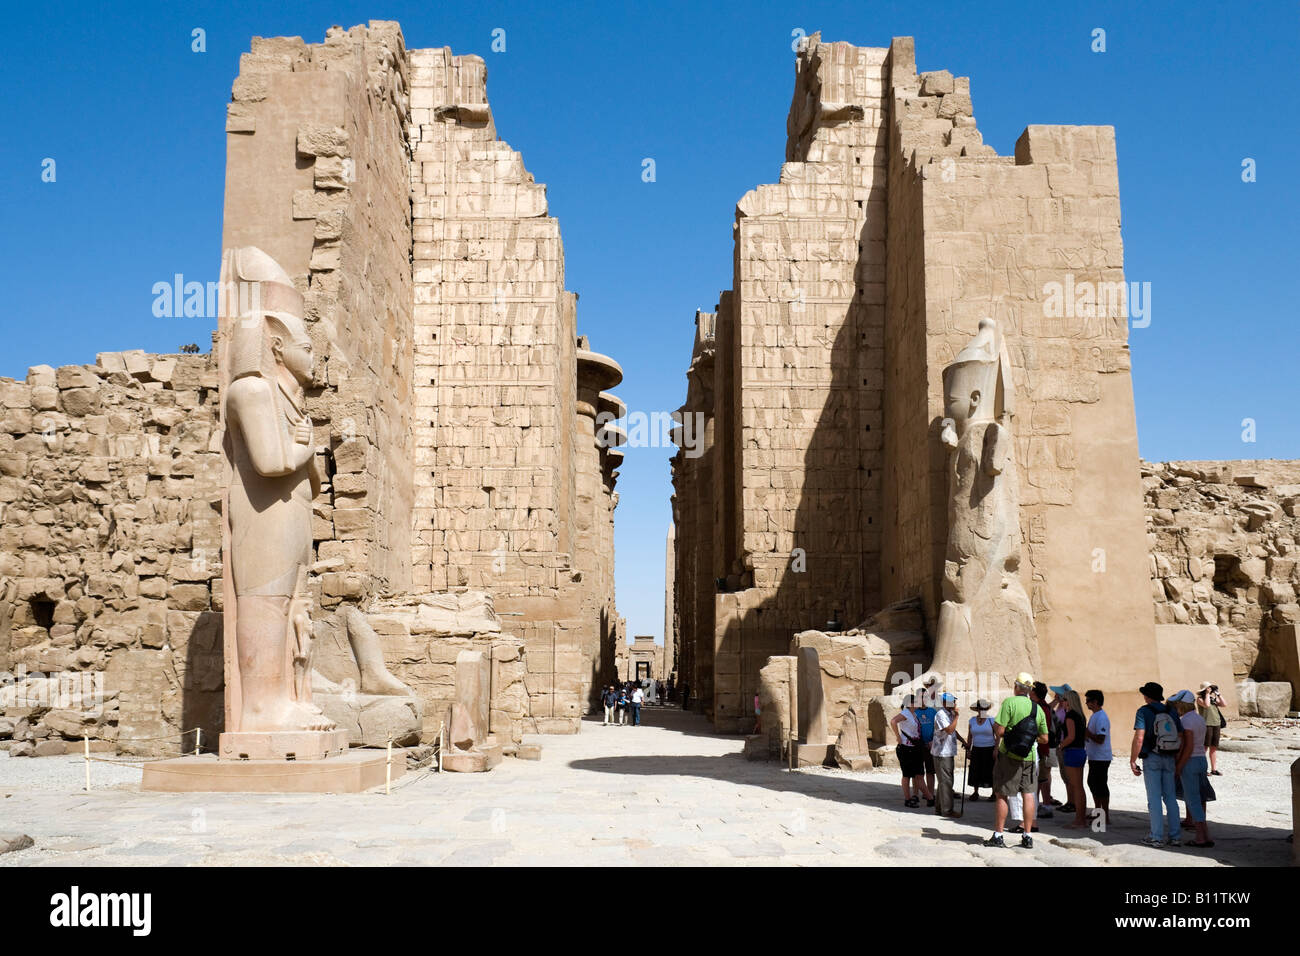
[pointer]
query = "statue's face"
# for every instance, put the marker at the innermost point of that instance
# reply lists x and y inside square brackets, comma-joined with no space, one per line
[963,392]
[296,357]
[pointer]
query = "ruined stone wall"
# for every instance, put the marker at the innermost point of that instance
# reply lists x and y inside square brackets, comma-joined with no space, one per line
[858,278]
[110,544]
[497,430]
[693,480]
[1223,538]
[317,175]
[996,234]
[797,518]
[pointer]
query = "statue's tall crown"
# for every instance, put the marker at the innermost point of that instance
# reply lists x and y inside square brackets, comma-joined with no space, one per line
[989,348]
[258,295]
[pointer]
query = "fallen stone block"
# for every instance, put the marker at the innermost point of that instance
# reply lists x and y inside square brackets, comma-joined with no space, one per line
[529,752]
[1264,698]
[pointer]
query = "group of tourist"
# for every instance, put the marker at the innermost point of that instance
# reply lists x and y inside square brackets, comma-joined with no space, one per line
[626,699]
[1038,728]
[621,699]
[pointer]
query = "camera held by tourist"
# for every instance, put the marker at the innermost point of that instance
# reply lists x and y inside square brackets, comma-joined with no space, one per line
[1210,704]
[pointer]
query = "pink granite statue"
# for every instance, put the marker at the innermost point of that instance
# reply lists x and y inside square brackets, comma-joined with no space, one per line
[986,624]
[273,479]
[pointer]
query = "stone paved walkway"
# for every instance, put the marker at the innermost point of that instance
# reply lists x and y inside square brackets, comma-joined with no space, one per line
[668,793]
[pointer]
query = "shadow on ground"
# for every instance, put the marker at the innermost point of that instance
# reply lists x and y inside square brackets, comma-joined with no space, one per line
[1235,844]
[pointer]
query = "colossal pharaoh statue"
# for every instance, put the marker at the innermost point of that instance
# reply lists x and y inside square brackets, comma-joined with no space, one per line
[986,625]
[272,479]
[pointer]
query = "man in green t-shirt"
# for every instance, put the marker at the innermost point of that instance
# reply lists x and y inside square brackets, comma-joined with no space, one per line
[1014,774]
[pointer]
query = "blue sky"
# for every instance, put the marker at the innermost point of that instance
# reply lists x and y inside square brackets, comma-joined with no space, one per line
[134,121]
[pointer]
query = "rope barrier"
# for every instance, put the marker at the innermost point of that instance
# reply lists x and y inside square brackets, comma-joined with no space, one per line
[141,740]
[131,761]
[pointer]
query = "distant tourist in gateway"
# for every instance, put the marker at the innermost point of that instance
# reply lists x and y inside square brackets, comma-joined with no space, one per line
[907,728]
[638,698]
[622,705]
[1021,727]
[610,700]
[1158,742]
[983,745]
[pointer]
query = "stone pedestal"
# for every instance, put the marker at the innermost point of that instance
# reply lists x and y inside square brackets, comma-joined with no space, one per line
[283,745]
[346,773]
[814,755]
[479,760]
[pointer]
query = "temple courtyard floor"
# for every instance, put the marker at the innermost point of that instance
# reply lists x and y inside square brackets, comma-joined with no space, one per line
[668,793]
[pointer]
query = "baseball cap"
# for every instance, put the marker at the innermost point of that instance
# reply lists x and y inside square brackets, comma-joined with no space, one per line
[1060,689]
[1183,697]
[1025,679]
[948,698]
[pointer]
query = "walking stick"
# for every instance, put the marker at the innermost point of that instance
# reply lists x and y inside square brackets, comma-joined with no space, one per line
[964,764]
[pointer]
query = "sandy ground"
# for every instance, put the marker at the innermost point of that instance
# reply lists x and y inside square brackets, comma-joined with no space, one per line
[667,793]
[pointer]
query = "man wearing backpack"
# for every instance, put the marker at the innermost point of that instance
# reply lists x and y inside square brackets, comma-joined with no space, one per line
[1021,725]
[1158,741]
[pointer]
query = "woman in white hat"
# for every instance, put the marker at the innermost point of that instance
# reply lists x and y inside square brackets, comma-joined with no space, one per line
[983,745]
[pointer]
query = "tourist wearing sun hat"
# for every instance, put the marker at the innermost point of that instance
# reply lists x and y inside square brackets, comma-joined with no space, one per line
[983,745]
[1209,704]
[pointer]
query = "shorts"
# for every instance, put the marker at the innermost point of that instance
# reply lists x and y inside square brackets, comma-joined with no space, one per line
[1212,736]
[910,761]
[927,758]
[1074,756]
[1047,762]
[1012,776]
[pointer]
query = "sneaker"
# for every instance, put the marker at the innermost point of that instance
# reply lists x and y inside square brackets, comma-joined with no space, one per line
[929,803]
[1066,808]
[996,840]
[1149,840]
[1173,841]
[1027,842]
[1045,813]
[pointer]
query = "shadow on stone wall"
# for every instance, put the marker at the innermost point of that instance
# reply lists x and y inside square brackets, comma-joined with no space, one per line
[203,680]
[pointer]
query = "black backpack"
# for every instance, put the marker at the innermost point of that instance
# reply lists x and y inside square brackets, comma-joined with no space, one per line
[1019,740]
